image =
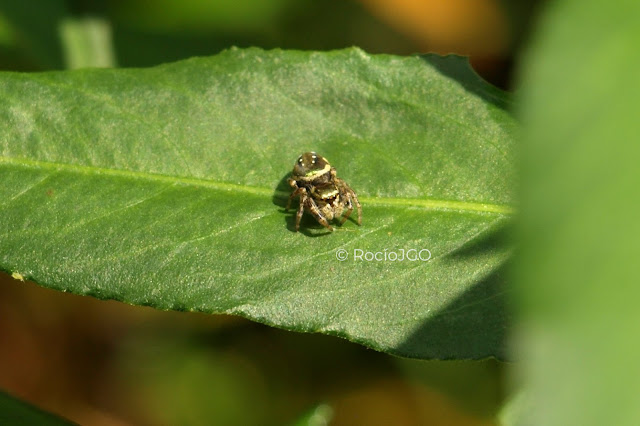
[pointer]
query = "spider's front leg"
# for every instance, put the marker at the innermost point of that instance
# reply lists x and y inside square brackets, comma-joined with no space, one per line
[315,211]
[298,191]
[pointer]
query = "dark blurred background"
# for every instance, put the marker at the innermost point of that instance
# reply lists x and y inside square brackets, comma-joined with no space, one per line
[48,34]
[106,363]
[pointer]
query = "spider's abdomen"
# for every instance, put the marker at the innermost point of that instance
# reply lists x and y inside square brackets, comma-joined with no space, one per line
[327,192]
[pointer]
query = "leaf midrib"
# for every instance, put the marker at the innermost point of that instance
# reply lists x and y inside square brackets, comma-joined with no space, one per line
[426,203]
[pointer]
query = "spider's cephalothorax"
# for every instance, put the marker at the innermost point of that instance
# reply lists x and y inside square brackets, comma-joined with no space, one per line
[321,192]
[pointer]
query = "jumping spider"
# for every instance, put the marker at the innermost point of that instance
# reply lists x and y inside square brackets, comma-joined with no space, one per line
[321,192]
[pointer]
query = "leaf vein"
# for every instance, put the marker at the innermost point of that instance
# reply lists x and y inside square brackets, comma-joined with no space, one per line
[426,203]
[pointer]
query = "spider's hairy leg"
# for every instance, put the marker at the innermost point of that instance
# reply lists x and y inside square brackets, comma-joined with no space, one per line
[349,209]
[294,194]
[303,200]
[352,198]
[315,211]
[359,207]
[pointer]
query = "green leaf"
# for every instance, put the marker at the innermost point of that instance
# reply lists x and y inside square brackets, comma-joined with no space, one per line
[577,277]
[166,187]
[16,412]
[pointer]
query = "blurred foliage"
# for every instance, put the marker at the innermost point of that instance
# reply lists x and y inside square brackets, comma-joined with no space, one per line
[16,412]
[32,39]
[150,32]
[521,17]
[578,283]
[88,42]
[320,415]
[99,362]
[202,16]
[306,24]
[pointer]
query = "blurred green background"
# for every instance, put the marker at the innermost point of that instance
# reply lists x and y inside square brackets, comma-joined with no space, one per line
[106,363]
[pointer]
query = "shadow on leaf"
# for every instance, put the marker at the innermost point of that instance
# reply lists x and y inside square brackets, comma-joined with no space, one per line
[461,71]
[480,315]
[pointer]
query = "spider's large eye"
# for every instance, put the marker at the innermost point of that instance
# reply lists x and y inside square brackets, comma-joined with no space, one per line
[313,161]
